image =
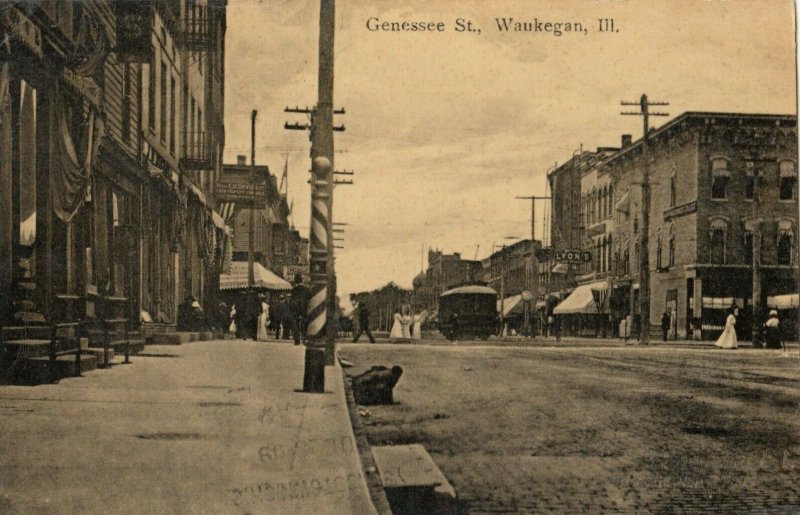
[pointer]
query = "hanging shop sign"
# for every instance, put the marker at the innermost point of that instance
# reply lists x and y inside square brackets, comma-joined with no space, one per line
[573,256]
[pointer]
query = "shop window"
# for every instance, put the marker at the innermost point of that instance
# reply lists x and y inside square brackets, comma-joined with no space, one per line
[720,175]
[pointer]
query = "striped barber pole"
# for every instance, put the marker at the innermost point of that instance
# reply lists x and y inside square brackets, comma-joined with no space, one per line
[318,249]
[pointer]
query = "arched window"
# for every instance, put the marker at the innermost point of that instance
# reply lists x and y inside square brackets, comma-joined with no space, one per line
[658,249]
[610,260]
[716,241]
[671,246]
[785,242]
[635,224]
[720,175]
[672,193]
[610,200]
[788,172]
[636,256]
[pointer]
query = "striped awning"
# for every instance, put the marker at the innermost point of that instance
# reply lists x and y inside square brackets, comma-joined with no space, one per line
[238,278]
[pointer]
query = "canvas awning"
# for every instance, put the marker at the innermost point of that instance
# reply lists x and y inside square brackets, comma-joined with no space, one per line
[582,300]
[511,304]
[717,302]
[237,278]
[788,301]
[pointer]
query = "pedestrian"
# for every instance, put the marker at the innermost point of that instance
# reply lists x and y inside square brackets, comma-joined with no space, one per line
[418,320]
[263,319]
[727,340]
[551,329]
[184,318]
[223,317]
[557,327]
[665,322]
[298,305]
[363,323]
[772,330]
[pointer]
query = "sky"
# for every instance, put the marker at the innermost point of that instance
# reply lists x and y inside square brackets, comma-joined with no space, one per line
[444,129]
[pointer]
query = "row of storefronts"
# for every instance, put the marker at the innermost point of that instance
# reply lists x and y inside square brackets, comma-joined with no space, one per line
[108,158]
[724,207]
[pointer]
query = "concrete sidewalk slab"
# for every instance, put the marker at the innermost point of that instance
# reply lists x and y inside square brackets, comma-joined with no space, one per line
[211,427]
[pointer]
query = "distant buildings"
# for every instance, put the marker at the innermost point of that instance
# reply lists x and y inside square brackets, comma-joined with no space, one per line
[444,271]
[276,245]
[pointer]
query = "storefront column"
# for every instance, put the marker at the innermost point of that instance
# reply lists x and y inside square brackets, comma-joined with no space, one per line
[697,334]
[6,199]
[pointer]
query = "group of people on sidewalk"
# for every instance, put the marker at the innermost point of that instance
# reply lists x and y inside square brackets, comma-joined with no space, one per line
[254,317]
[772,336]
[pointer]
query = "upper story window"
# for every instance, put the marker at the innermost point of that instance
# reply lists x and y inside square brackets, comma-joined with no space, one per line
[671,258]
[750,182]
[785,242]
[720,175]
[716,241]
[672,191]
[788,172]
[658,249]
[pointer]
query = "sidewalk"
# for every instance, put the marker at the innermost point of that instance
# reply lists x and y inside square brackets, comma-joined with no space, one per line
[205,427]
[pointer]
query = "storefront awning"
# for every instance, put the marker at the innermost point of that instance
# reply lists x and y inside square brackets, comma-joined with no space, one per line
[581,300]
[237,278]
[788,301]
[717,302]
[511,304]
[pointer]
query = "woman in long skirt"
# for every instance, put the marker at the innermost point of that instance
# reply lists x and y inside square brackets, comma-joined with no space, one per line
[727,340]
[263,321]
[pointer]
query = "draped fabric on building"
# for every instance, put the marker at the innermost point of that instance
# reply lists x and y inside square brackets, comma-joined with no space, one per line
[71,176]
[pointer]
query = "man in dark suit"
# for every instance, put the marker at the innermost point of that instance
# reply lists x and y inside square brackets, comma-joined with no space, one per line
[298,305]
[363,323]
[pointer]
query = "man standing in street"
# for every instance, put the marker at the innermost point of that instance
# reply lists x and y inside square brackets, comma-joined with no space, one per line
[665,324]
[363,323]
[298,304]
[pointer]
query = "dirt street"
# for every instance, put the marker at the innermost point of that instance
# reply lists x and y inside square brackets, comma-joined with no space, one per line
[598,429]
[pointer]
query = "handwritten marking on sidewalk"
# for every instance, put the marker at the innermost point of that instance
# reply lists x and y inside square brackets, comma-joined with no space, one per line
[294,489]
[280,412]
[338,445]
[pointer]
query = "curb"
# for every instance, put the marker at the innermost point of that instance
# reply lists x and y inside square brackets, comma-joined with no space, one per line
[368,467]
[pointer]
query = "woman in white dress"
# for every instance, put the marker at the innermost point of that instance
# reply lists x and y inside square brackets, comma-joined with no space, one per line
[419,318]
[263,321]
[727,340]
[397,328]
[407,320]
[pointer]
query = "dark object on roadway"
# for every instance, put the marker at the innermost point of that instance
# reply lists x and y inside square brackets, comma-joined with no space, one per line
[468,311]
[375,385]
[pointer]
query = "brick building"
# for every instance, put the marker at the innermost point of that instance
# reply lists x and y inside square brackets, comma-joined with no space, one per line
[717,179]
[444,271]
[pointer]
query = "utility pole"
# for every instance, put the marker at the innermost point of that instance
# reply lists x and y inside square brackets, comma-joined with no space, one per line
[252,229]
[321,330]
[644,254]
[533,282]
[752,160]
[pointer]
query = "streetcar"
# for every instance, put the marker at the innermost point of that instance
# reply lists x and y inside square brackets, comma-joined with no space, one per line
[467,312]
